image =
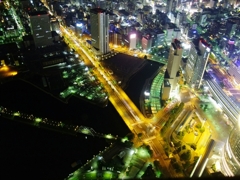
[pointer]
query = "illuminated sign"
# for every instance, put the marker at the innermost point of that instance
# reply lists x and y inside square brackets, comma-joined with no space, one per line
[230,42]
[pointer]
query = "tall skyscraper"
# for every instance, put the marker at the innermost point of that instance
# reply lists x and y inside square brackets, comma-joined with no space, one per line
[132,40]
[169,6]
[41,28]
[100,30]
[174,60]
[197,62]
[231,154]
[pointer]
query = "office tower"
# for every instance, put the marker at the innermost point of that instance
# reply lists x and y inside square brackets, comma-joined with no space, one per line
[169,6]
[231,154]
[132,40]
[176,33]
[222,30]
[174,60]
[99,30]
[147,42]
[223,42]
[166,89]
[230,47]
[159,38]
[181,18]
[197,61]
[169,34]
[40,25]
[231,26]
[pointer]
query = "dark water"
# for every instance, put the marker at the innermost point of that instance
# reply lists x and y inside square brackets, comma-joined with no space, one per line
[35,153]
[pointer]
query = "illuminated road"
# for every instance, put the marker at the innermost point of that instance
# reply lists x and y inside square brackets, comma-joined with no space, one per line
[226,102]
[202,162]
[133,118]
[46,123]
[117,96]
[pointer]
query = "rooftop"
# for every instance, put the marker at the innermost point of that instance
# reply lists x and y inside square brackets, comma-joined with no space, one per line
[176,44]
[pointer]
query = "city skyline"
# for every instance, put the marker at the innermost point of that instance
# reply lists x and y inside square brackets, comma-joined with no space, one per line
[176,135]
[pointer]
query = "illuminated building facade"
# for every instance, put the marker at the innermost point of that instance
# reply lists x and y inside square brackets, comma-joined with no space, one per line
[176,33]
[231,154]
[146,42]
[174,60]
[41,28]
[230,47]
[132,40]
[166,90]
[197,62]
[100,30]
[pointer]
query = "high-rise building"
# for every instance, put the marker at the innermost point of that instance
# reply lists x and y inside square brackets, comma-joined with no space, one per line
[100,30]
[230,47]
[181,17]
[231,154]
[197,62]
[132,40]
[159,38]
[166,89]
[231,26]
[176,33]
[174,60]
[41,28]
[147,42]
[169,6]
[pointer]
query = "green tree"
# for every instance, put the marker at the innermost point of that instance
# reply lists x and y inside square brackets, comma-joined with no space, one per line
[178,144]
[186,156]
[177,167]
[195,159]
[198,126]
[158,169]
[150,152]
[193,146]
[130,136]
[149,173]
[202,129]
[173,160]
[140,135]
